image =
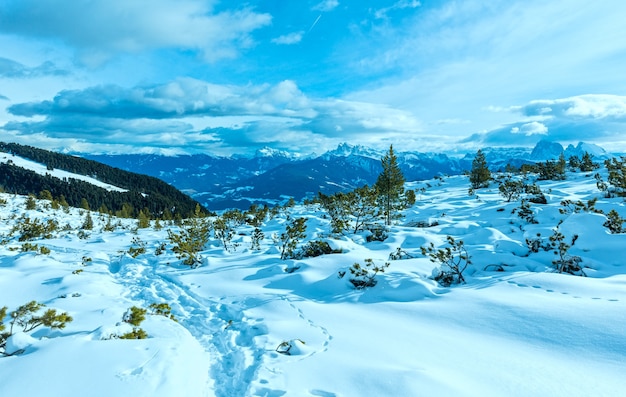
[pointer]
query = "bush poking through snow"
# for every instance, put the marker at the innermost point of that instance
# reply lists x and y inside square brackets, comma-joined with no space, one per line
[137,248]
[256,238]
[452,260]
[565,263]
[511,190]
[134,316]
[289,239]
[316,248]
[162,309]
[191,239]
[525,213]
[136,333]
[364,276]
[377,233]
[400,254]
[28,229]
[614,222]
[536,244]
[287,347]
[27,318]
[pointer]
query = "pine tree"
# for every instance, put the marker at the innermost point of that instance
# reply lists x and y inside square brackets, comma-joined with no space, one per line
[480,174]
[390,185]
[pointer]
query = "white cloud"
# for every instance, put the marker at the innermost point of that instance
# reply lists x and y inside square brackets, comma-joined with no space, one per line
[532,128]
[326,5]
[99,29]
[291,38]
[193,115]
[583,106]
[399,5]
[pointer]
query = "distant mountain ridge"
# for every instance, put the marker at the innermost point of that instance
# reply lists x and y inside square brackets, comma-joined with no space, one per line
[103,187]
[270,176]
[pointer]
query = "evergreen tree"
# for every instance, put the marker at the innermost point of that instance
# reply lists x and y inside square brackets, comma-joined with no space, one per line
[390,185]
[480,174]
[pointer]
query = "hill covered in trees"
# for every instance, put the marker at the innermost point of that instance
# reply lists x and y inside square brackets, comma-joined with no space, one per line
[136,192]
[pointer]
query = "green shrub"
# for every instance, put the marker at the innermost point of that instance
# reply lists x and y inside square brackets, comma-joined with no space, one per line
[452,260]
[136,333]
[289,239]
[27,317]
[315,248]
[162,309]
[565,263]
[364,276]
[191,239]
[134,316]
[28,229]
[614,222]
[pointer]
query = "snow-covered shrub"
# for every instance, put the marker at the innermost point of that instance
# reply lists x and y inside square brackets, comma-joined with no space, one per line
[137,248]
[617,174]
[565,263]
[256,238]
[576,207]
[256,215]
[289,239]
[162,309]
[191,239]
[614,222]
[134,316]
[289,348]
[28,229]
[399,254]
[511,190]
[537,243]
[364,276]
[525,213]
[315,248]
[452,260]
[224,230]
[27,317]
[136,333]
[602,185]
[30,203]
[377,233]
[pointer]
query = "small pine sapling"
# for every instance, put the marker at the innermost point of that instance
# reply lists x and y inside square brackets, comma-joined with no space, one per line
[137,248]
[614,222]
[256,238]
[525,213]
[191,239]
[452,260]
[565,263]
[27,318]
[289,239]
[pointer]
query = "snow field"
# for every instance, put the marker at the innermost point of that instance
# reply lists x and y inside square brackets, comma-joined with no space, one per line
[518,332]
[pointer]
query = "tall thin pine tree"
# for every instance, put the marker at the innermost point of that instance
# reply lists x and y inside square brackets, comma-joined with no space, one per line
[390,185]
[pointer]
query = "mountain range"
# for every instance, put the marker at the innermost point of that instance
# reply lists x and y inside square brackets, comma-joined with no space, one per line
[271,176]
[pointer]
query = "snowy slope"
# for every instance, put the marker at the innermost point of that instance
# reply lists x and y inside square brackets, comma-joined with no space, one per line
[523,331]
[41,169]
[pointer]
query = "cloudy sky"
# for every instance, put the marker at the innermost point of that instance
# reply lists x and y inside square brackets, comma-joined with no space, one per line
[223,77]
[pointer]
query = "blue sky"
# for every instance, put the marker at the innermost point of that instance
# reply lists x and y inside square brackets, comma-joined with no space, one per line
[224,77]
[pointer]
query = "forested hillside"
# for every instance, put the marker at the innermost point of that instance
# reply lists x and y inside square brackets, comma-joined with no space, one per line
[142,192]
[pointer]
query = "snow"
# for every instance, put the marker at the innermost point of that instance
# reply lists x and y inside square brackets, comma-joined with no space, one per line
[523,331]
[41,169]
